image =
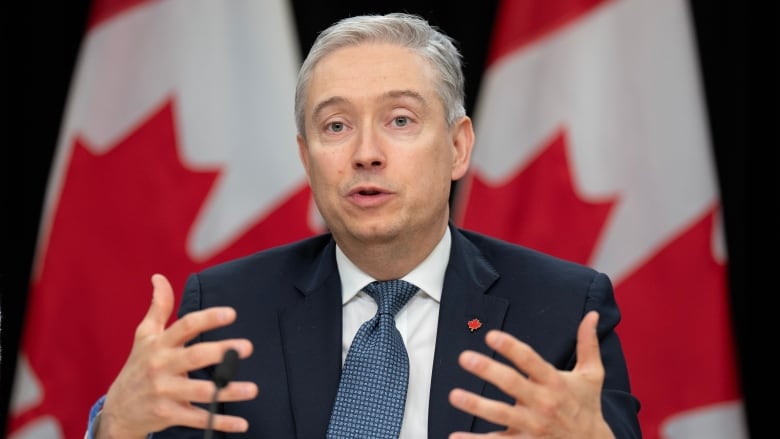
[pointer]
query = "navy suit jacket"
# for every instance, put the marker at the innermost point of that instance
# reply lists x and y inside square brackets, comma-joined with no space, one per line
[288,301]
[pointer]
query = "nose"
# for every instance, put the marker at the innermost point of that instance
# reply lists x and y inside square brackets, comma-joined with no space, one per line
[369,153]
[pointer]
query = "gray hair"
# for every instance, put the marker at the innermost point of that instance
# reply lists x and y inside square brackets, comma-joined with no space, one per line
[406,30]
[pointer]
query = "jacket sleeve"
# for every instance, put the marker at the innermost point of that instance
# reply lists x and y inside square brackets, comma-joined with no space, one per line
[619,406]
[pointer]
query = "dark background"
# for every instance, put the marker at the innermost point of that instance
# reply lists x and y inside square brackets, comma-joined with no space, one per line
[737,56]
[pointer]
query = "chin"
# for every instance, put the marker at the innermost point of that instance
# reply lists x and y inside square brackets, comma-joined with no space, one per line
[374,232]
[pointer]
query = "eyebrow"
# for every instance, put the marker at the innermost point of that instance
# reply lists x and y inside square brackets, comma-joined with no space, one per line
[326,103]
[392,94]
[396,94]
[406,93]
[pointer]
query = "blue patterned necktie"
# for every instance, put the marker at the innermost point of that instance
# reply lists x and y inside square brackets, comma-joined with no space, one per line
[372,391]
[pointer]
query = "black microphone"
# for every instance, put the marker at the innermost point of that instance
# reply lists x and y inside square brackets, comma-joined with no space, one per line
[226,369]
[223,374]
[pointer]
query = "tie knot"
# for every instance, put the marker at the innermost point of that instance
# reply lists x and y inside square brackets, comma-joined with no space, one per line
[390,295]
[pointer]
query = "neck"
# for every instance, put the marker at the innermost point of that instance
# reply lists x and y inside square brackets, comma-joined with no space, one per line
[392,258]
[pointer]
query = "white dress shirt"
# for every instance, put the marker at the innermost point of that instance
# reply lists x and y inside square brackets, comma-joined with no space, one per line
[416,321]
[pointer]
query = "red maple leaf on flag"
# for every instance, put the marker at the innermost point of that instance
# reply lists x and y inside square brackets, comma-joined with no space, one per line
[121,216]
[539,207]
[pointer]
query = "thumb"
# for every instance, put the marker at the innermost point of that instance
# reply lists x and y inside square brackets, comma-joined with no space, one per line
[588,354]
[160,309]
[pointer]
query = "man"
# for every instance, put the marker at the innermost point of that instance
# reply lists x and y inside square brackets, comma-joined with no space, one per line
[499,337]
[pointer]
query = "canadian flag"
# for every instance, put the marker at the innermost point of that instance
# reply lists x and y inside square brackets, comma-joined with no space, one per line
[592,144]
[177,151]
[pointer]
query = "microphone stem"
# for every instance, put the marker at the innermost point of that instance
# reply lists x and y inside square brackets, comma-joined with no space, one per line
[212,409]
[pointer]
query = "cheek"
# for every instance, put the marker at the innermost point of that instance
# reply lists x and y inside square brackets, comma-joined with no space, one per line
[326,173]
[323,163]
[432,175]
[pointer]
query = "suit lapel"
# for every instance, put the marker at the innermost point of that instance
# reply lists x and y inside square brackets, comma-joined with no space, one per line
[467,278]
[311,340]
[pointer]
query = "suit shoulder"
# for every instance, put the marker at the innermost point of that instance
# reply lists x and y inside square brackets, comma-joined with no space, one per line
[501,252]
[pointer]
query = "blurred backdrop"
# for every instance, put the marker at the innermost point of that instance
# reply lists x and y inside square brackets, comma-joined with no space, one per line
[645,112]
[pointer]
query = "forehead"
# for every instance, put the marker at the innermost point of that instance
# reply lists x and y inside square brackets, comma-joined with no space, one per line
[370,70]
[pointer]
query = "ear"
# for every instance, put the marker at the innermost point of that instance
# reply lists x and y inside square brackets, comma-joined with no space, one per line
[462,145]
[303,152]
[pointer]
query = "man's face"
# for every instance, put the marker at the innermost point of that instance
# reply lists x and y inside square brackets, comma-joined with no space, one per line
[378,153]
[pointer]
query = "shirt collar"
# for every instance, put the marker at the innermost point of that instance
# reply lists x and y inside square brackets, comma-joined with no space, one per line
[428,276]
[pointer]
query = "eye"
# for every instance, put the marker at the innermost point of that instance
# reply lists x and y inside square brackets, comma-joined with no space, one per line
[401,121]
[336,127]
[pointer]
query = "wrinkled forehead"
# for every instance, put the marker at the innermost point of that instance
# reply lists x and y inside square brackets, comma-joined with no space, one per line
[370,70]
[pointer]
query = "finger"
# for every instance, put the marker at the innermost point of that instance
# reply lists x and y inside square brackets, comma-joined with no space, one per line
[497,412]
[230,424]
[192,324]
[588,354]
[159,310]
[196,417]
[204,354]
[522,355]
[181,388]
[506,378]
[464,435]
[238,391]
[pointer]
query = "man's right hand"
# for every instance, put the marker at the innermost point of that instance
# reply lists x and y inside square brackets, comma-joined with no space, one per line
[153,392]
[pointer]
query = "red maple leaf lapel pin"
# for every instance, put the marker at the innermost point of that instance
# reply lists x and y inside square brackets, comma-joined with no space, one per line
[474,324]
